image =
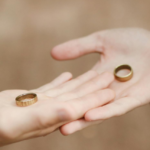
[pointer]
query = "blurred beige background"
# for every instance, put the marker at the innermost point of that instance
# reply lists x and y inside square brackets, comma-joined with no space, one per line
[28,31]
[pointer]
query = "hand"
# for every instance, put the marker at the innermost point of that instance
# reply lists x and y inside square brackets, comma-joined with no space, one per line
[59,102]
[117,47]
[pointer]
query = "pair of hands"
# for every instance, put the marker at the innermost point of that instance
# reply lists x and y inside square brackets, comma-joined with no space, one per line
[89,99]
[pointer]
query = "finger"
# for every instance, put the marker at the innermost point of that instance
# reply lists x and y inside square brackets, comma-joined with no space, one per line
[77,48]
[64,77]
[99,82]
[77,125]
[80,106]
[96,115]
[116,108]
[71,85]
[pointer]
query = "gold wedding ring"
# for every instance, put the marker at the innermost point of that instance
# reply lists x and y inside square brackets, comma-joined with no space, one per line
[126,77]
[26,99]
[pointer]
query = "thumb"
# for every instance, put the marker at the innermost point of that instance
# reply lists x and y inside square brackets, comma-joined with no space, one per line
[76,48]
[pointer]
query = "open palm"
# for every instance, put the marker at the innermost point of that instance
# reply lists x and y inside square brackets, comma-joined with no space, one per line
[59,102]
[119,46]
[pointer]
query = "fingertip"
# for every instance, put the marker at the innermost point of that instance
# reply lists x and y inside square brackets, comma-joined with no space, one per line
[89,116]
[65,130]
[67,75]
[64,51]
[55,53]
[92,115]
[73,127]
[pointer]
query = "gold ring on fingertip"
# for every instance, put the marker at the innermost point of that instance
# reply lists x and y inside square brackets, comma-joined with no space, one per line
[126,77]
[26,99]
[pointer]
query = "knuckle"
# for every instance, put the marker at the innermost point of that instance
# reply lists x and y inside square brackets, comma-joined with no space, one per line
[62,113]
[43,120]
[69,112]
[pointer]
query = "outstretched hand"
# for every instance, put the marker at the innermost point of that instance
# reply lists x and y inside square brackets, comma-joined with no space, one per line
[119,46]
[59,102]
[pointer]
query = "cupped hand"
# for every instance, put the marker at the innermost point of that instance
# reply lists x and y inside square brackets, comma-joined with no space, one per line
[59,102]
[119,46]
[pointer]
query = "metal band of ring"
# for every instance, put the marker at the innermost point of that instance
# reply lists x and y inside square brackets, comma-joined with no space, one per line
[126,77]
[26,99]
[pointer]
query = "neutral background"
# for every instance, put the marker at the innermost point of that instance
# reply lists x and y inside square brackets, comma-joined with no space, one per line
[28,31]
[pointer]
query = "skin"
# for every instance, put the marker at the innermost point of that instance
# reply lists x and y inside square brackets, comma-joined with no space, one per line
[59,102]
[116,47]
